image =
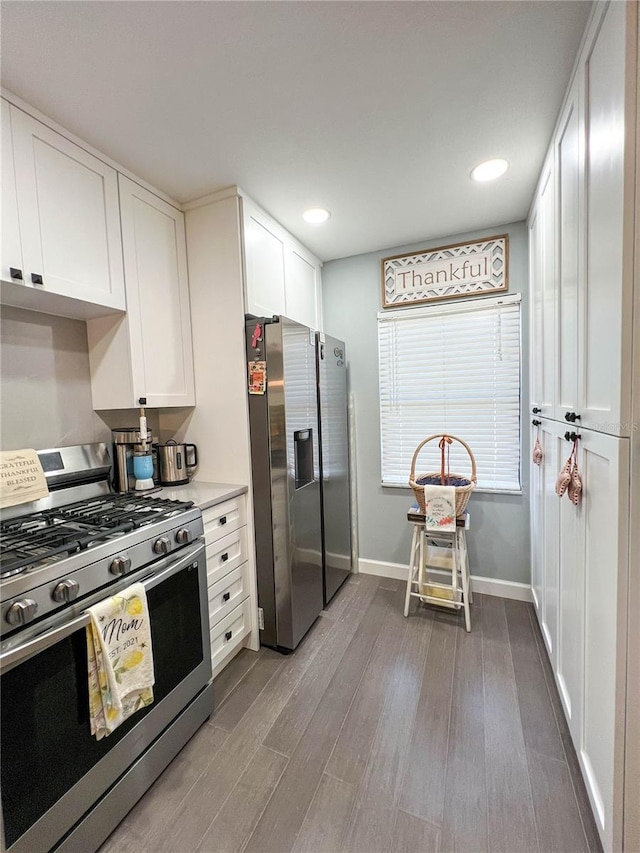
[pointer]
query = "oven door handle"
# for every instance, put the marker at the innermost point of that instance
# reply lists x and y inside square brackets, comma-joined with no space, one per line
[162,570]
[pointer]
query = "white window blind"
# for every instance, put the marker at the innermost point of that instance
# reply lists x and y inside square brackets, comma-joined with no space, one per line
[454,369]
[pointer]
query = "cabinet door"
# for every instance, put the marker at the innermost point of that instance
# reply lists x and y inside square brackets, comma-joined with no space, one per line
[302,288]
[604,462]
[11,248]
[543,295]
[553,446]
[570,606]
[157,297]
[264,253]
[602,404]
[537,542]
[569,237]
[536,301]
[68,215]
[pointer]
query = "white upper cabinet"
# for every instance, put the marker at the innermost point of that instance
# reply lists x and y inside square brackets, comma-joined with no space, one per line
[606,307]
[281,276]
[148,353]
[264,253]
[302,288]
[569,166]
[581,253]
[11,248]
[543,295]
[68,223]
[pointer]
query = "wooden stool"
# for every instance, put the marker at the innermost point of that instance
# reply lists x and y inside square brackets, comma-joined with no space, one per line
[433,549]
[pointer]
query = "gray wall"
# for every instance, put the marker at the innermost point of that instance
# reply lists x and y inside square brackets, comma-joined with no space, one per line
[499,537]
[45,393]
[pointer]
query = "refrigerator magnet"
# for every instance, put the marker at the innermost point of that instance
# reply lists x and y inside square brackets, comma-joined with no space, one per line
[257,377]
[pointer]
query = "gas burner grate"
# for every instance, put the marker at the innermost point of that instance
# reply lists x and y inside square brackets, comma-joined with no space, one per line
[43,537]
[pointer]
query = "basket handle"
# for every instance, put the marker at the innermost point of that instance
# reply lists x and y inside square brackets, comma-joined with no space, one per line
[440,435]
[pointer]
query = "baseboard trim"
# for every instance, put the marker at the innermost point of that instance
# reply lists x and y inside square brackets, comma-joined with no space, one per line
[482,585]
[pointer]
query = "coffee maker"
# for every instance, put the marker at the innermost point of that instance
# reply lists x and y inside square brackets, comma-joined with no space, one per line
[126,443]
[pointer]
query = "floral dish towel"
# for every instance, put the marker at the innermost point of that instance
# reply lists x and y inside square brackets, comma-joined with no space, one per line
[120,659]
[440,508]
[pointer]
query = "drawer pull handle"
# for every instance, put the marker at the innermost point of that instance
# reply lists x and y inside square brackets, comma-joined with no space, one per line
[228,635]
[226,596]
[224,557]
[36,278]
[15,273]
[223,520]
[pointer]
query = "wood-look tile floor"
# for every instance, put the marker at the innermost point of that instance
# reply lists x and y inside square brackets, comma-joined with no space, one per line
[379,733]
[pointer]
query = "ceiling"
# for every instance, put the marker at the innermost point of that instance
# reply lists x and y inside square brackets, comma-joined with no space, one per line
[376,110]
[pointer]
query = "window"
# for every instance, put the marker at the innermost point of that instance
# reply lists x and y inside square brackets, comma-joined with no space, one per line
[454,368]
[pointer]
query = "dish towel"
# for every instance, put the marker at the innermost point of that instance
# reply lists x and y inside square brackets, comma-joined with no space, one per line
[120,659]
[440,508]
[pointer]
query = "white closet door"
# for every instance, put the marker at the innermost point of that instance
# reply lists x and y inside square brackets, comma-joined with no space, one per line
[604,462]
[535,507]
[554,447]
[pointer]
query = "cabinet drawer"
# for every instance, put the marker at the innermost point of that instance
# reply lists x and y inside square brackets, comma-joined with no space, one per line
[228,593]
[223,518]
[226,554]
[229,633]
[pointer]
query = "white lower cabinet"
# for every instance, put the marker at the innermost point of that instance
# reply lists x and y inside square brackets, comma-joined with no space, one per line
[579,579]
[231,603]
[227,636]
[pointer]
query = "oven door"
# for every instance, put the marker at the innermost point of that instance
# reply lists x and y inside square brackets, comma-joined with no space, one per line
[52,769]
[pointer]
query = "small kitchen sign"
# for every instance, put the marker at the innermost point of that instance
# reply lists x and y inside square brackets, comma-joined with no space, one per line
[21,478]
[447,272]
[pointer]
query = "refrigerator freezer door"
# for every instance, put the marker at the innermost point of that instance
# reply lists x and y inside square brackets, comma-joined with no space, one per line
[286,487]
[334,459]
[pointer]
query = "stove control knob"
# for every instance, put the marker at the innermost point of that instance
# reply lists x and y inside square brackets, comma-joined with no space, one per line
[162,545]
[120,565]
[66,590]
[183,537]
[21,612]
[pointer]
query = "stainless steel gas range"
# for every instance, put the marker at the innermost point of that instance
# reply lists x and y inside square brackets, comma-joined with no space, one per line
[61,789]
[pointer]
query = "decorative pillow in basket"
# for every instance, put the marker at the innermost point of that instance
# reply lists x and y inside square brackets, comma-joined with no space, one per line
[463,485]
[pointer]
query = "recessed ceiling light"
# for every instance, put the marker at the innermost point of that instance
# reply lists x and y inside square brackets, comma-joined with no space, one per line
[316,215]
[489,170]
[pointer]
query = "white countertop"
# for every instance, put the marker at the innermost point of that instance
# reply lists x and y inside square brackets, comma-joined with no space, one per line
[202,494]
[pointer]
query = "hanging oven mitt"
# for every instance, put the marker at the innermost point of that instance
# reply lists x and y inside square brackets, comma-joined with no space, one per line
[537,449]
[574,489]
[564,477]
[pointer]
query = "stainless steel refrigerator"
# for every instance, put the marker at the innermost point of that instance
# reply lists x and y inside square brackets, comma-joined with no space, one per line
[283,415]
[285,451]
[334,462]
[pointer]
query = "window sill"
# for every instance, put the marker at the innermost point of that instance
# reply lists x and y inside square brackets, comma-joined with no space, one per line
[477,491]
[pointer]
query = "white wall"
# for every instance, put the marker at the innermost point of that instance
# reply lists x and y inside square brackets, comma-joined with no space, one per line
[499,538]
[45,394]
